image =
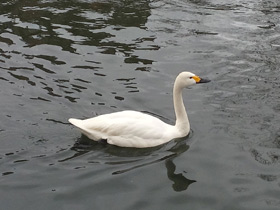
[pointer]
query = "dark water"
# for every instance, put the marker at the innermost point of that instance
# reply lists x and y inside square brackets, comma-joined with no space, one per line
[61,59]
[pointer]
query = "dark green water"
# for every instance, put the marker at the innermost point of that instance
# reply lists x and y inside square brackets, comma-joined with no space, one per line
[62,59]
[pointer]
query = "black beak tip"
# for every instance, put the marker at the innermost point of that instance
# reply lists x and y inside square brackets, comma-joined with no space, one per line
[204,80]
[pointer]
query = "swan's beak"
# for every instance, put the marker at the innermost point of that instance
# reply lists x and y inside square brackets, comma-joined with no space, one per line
[200,80]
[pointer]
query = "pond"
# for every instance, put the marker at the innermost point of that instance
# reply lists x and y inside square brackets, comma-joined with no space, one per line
[83,58]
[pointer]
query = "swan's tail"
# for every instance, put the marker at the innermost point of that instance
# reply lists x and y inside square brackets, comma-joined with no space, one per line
[78,123]
[94,135]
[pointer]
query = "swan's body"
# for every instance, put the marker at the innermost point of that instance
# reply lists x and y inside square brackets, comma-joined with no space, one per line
[136,129]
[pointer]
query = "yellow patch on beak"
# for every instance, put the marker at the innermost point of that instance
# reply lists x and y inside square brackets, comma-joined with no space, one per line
[196,78]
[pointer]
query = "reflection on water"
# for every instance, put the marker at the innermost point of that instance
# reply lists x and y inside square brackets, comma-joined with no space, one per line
[181,183]
[133,159]
[61,59]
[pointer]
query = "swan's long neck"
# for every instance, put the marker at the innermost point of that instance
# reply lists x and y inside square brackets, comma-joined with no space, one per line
[182,121]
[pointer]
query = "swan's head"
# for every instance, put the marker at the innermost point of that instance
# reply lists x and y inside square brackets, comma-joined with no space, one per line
[185,79]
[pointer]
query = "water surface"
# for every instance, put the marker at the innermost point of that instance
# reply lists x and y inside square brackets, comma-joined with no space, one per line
[62,59]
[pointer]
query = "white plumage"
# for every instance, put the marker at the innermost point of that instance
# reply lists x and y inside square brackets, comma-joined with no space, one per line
[137,129]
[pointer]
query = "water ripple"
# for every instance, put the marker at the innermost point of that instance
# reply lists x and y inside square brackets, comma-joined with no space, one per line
[83,58]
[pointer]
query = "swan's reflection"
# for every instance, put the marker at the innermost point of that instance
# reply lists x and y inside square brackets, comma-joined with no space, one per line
[132,158]
[180,182]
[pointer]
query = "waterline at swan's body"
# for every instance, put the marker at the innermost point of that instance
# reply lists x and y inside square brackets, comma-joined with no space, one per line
[137,129]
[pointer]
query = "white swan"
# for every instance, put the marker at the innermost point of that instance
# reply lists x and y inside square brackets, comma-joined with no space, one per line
[136,129]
